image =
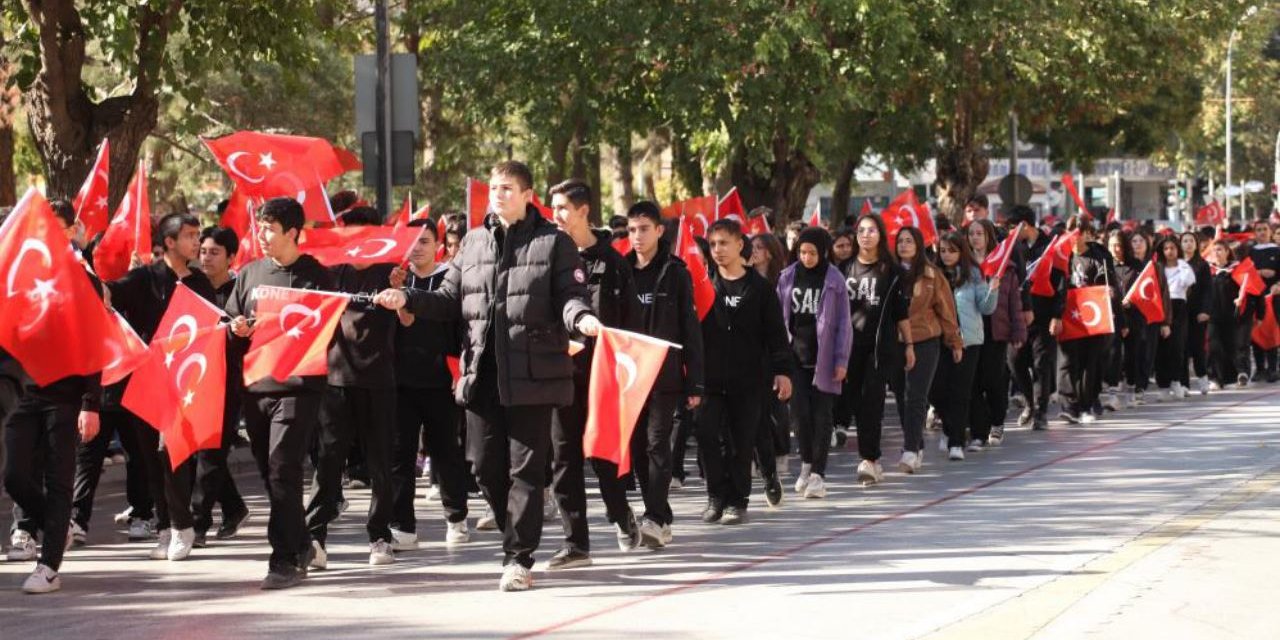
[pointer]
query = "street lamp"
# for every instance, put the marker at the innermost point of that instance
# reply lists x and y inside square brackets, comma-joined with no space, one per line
[1231,43]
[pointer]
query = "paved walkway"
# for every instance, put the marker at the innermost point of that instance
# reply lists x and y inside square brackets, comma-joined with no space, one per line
[1162,521]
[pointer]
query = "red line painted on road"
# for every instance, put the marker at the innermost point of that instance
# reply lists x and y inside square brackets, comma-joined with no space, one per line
[751,564]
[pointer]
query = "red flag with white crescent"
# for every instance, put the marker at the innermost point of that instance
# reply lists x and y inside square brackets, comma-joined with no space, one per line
[907,211]
[1087,312]
[292,330]
[91,201]
[994,265]
[54,322]
[1145,295]
[704,293]
[359,245]
[623,370]
[179,389]
[730,207]
[129,233]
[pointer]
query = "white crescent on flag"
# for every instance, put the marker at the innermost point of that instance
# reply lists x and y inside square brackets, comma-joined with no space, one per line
[1097,314]
[294,308]
[231,166]
[30,244]
[1142,290]
[195,359]
[387,246]
[628,364]
[189,322]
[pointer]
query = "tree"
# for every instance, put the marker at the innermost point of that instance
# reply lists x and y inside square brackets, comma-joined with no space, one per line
[70,117]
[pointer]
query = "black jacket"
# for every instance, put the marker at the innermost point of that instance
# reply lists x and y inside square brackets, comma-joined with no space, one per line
[305,273]
[1043,308]
[746,344]
[672,317]
[611,289]
[143,294]
[362,354]
[422,348]
[1091,268]
[525,287]
[1200,295]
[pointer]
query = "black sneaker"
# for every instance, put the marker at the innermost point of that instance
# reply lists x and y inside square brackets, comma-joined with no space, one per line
[568,559]
[282,578]
[712,513]
[1040,423]
[733,515]
[231,525]
[201,540]
[773,490]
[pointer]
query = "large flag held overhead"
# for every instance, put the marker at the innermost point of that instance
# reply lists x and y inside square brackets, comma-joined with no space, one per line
[1211,214]
[1145,295]
[623,370]
[180,387]
[269,165]
[129,233]
[700,212]
[994,265]
[292,331]
[359,245]
[1087,313]
[54,323]
[907,211]
[1055,256]
[91,201]
[730,207]
[704,293]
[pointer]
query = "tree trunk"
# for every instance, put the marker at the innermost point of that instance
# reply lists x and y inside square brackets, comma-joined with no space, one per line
[840,195]
[687,165]
[784,188]
[66,124]
[593,178]
[962,165]
[624,190]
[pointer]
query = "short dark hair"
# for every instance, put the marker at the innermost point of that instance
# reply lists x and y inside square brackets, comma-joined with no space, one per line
[455,224]
[64,210]
[1081,223]
[428,224]
[171,226]
[1021,213]
[514,169]
[978,199]
[728,226]
[223,237]
[286,211]
[618,222]
[343,200]
[576,191]
[359,217]
[645,209]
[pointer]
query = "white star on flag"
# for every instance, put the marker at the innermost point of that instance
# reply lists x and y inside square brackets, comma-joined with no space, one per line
[188,399]
[266,160]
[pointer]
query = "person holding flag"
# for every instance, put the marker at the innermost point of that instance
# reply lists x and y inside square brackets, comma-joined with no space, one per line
[1155,330]
[1171,362]
[142,296]
[745,342]
[520,288]
[280,415]
[1087,266]
[1229,303]
[664,289]
[42,431]
[1003,332]
[1265,255]
[611,290]
[1034,366]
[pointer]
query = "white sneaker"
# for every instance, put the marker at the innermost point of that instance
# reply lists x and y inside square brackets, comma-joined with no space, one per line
[433,493]
[651,534]
[1088,418]
[161,550]
[319,557]
[869,472]
[76,535]
[1139,397]
[42,580]
[955,453]
[1112,401]
[907,463]
[380,553]
[22,546]
[802,480]
[487,522]
[550,510]
[457,533]
[1215,386]
[123,517]
[515,578]
[402,541]
[931,421]
[1177,391]
[781,465]
[667,536]
[1242,381]
[181,542]
[975,446]
[817,487]
[942,443]
[676,484]
[1202,383]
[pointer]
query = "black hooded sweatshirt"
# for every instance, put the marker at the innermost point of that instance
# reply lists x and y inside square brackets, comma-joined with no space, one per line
[363,351]
[423,347]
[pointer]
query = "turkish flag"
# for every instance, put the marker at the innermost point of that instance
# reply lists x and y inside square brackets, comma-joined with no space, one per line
[1211,214]
[673,210]
[401,217]
[1246,275]
[236,215]
[866,208]
[250,249]
[622,245]
[700,212]
[180,387]
[1056,256]
[129,233]
[994,265]
[292,334]
[442,250]
[815,217]
[907,211]
[1070,184]
[1087,313]
[269,165]
[704,293]
[91,201]
[756,225]
[359,245]
[477,203]
[128,351]
[1266,334]
[730,206]
[1145,296]
[623,370]
[54,323]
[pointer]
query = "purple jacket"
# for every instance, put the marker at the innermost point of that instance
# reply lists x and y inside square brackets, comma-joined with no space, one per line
[1007,323]
[835,330]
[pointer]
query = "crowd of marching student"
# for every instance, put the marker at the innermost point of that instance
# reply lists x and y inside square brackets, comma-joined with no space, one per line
[453,366]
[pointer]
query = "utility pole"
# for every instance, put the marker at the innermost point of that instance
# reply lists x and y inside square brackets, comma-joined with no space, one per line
[382,116]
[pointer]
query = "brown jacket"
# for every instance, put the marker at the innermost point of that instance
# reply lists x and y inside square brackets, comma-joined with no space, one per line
[933,309]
